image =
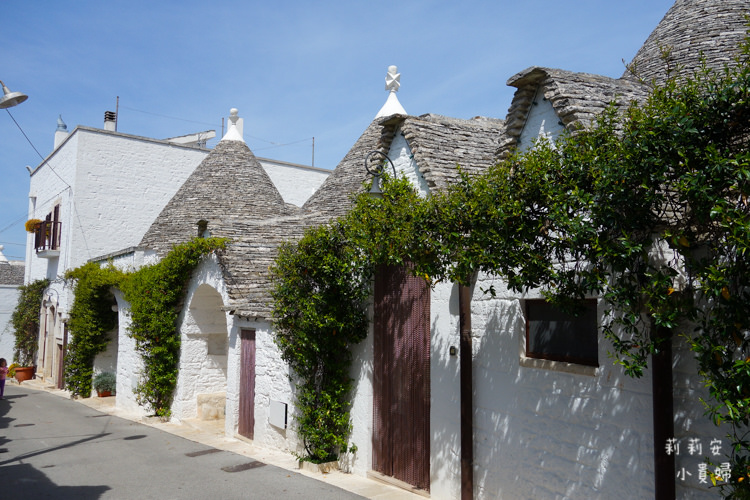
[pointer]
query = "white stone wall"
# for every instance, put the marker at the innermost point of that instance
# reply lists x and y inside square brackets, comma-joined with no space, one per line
[296,183]
[271,384]
[122,184]
[551,431]
[564,434]
[129,362]
[8,300]
[202,321]
[548,432]
[541,122]
[362,405]
[52,183]
[404,163]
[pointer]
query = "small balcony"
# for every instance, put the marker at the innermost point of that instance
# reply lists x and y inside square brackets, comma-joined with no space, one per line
[47,239]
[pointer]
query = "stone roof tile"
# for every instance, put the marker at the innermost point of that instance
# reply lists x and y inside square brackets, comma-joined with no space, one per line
[11,272]
[713,28]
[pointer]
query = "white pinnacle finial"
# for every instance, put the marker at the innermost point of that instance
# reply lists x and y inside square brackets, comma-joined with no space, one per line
[392,79]
[234,133]
[392,84]
[2,257]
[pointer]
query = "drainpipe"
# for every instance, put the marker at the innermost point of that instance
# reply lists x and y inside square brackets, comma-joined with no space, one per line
[663,404]
[467,393]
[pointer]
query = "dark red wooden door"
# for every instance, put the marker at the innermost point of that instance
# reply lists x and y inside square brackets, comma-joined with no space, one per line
[247,384]
[401,430]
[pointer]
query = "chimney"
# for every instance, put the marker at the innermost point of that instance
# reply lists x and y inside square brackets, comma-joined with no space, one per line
[110,121]
[61,133]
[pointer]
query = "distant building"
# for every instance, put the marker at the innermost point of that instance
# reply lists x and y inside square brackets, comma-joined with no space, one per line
[11,278]
[96,194]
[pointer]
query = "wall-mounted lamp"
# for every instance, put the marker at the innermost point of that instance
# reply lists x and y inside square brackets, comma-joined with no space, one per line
[375,167]
[453,350]
[10,99]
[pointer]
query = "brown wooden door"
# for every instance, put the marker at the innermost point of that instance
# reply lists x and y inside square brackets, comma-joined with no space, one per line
[60,368]
[247,383]
[401,409]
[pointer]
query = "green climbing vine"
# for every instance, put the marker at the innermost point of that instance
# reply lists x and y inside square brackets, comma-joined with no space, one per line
[155,294]
[322,285]
[25,322]
[91,322]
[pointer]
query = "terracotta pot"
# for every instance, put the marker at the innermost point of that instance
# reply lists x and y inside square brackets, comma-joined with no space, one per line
[103,394]
[24,373]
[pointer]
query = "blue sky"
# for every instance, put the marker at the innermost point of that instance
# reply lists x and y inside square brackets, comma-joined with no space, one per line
[294,69]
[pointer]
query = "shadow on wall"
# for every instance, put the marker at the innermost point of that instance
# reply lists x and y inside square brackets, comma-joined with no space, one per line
[541,433]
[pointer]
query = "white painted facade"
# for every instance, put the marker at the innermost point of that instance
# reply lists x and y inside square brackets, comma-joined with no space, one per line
[210,363]
[296,183]
[542,122]
[8,300]
[403,161]
[542,429]
[109,188]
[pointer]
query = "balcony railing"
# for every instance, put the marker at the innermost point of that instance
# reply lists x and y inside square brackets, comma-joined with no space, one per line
[47,236]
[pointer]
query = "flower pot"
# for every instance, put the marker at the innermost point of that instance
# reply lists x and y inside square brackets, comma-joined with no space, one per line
[103,394]
[24,373]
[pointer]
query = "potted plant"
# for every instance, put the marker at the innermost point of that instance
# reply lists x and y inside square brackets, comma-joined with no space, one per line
[32,225]
[25,323]
[105,384]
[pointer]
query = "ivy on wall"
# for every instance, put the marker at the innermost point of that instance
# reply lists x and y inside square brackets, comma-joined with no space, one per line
[92,320]
[155,294]
[25,322]
[322,287]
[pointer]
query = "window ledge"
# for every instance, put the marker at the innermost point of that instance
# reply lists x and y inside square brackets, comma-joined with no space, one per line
[559,366]
[48,254]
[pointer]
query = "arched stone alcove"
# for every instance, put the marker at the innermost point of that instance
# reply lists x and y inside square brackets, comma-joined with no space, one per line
[201,388]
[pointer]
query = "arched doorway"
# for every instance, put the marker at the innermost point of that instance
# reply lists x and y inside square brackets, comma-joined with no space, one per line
[201,388]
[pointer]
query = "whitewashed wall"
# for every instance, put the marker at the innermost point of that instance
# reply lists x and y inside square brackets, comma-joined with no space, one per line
[129,362]
[202,370]
[296,183]
[541,429]
[541,122]
[8,300]
[403,161]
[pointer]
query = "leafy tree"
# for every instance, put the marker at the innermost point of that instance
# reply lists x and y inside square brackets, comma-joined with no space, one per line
[647,209]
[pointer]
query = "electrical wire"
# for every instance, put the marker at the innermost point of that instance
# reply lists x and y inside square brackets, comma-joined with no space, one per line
[45,162]
[275,144]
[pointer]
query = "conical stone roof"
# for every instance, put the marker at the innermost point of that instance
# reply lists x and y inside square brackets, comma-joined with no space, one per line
[714,28]
[333,198]
[228,189]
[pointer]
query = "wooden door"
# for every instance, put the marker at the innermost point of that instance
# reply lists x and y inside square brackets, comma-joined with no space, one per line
[247,384]
[401,402]
[60,367]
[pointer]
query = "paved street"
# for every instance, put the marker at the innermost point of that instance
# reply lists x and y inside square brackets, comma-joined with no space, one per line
[52,447]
